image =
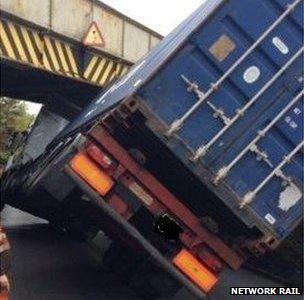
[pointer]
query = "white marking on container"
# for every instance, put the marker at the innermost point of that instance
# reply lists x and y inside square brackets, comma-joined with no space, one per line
[252,74]
[280,45]
[289,197]
[288,119]
[297,111]
[293,125]
[300,79]
[270,219]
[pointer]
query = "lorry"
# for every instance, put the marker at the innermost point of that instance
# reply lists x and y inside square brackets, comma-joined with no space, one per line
[193,161]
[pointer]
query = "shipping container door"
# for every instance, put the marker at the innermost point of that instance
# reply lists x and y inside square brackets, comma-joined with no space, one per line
[260,87]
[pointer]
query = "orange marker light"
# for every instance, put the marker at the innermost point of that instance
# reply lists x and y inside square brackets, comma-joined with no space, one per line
[92,174]
[197,272]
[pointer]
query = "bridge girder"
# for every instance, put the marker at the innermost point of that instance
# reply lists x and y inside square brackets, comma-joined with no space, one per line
[33,47]
[59,94]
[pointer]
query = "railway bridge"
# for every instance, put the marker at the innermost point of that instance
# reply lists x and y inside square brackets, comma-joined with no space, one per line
[63,52]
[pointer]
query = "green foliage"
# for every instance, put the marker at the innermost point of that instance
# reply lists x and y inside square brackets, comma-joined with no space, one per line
[13,115]
[13,118]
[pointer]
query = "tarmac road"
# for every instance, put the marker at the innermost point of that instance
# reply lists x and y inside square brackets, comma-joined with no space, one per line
[47,266]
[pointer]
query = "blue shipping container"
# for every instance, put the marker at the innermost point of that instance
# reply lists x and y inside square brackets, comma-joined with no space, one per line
[226,88]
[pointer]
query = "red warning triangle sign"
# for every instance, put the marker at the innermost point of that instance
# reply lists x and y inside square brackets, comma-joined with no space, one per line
[93,37]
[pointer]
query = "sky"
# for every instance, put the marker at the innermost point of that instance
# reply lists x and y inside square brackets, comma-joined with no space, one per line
[159,15]
[33,108]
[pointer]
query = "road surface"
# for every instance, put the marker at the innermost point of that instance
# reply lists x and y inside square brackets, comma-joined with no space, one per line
[47,266]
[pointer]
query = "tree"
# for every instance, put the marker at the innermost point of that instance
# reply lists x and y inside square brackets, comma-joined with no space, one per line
[14,118]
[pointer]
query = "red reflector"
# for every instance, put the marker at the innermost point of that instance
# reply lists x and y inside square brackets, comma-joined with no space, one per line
[98,156]
[195,270]
[91,173]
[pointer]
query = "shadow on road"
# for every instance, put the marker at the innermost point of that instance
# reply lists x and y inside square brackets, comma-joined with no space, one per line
[48,266]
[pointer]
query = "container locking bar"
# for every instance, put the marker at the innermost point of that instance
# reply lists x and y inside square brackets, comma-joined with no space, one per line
[223,172]
[218,112]
[203,149]
[249,197]
[177,124]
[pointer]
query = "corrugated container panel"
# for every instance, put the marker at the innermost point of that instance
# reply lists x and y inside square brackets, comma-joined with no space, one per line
[224,92]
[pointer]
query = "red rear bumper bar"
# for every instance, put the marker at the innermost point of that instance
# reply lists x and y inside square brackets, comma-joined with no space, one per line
[135,235]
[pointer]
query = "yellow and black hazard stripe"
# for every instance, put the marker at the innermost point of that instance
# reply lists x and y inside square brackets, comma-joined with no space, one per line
[101,70]
[22,44]
[29,46]
[58,57]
